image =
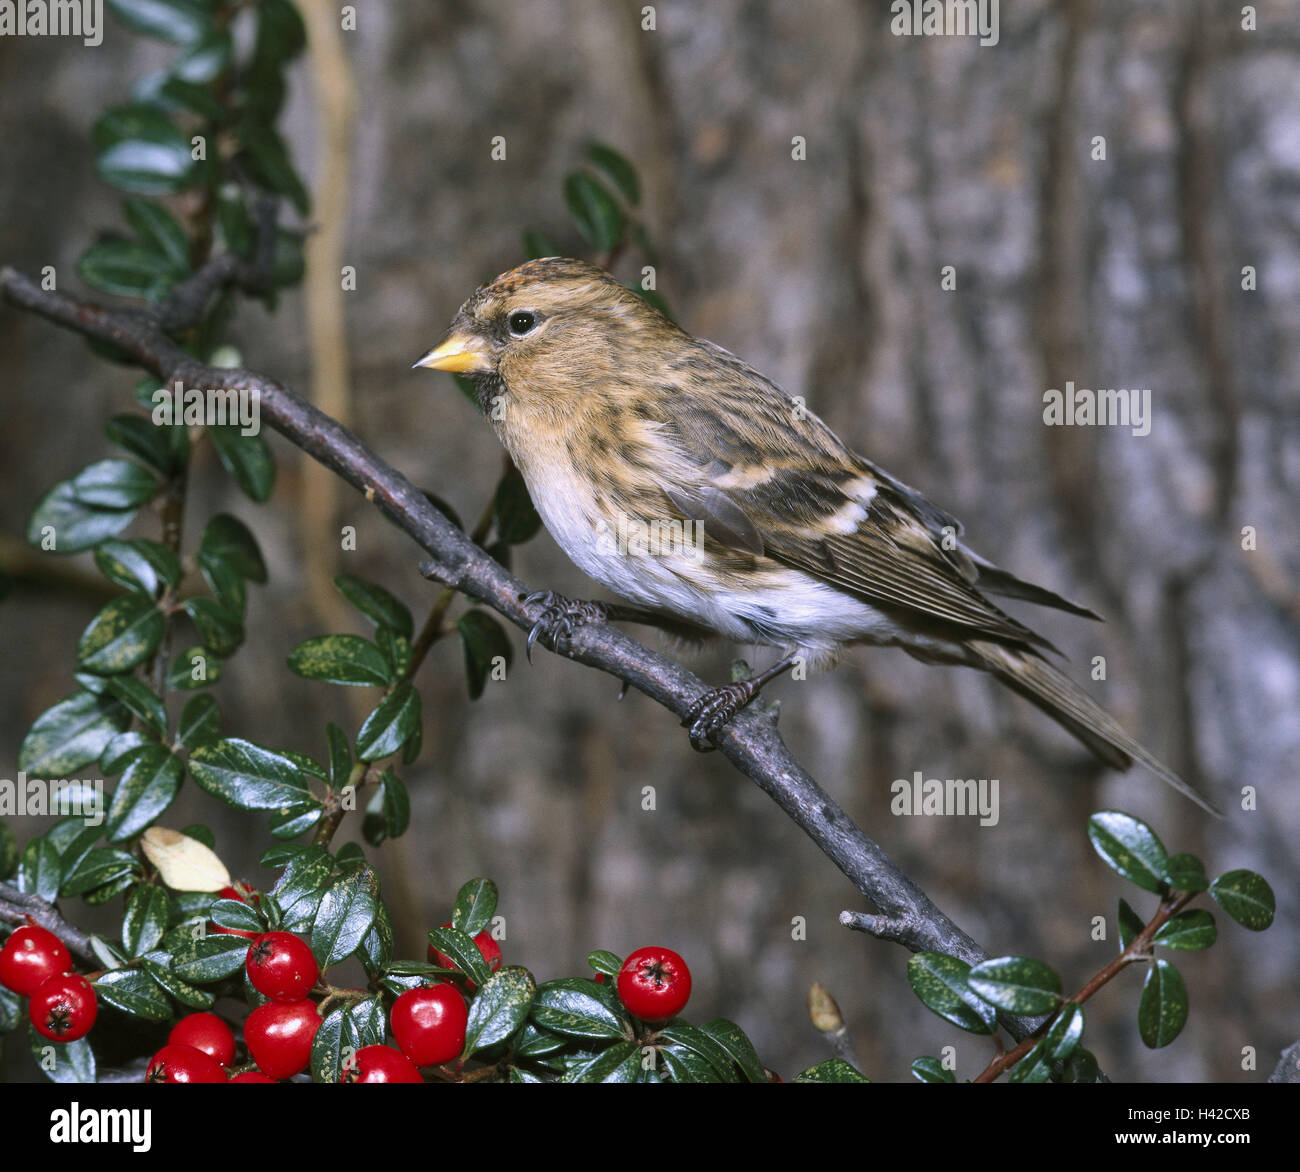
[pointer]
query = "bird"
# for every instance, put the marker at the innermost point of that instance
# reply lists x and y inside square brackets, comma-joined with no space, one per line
[687,483]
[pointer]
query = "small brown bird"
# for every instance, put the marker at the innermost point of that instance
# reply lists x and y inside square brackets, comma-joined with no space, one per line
[683,480]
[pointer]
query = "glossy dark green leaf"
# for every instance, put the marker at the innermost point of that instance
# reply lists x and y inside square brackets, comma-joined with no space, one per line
[139,149]
[499,1007]
[594,210]
[106,953]
[1162,1010]
[182,22]
[1034,1067]
[133,992]
[206,60]
[226,585]
[203,834]
[345,915]
[230,540]
[1186,872]
[60,523]
[221,631]
[145,919]
[62,1062]
[176,91]
[114,484]
[98,868]
[139,698]
[268,158]
[485,643]
[73,732]
[340,756]
[377,604]
[832,1070]
[147,787]
[377,947]
[618,1063]
[1065,1033]
[516,519]
[1130,925]
[247,775]
[462,951]
[209,958]
[940,982]
[194,668]
[577,1008]
[1017,984]
[156,966]
[476,902]
[731,1038]
[125,633]
[1130,848]
[681,1036]
[388,727]
[929,1069]
[200,722]
[328,1046]
[388,813]
[127,269]
[233,913]
[618,168]
[604,961]
[140,565]
[1080,1067]
[247,458]
[341,659]
[302,884]
[1189,931]
[1246,897]
[397,651]
[40,869]
[161,231]
[120,751]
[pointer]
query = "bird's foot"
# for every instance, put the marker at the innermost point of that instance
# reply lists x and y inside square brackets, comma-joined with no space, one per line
[714,709]
[559,618]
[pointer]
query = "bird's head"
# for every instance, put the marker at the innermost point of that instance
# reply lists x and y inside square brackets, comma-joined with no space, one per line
[548,335]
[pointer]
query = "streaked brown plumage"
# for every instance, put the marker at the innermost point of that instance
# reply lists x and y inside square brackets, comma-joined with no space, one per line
[616,417]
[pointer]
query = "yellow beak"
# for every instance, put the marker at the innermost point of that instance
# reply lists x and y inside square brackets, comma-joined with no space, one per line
[460,354]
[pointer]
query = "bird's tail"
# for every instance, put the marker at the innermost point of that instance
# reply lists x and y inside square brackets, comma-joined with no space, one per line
[1063,700]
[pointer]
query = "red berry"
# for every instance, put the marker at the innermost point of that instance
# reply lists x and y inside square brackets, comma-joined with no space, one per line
[281,966]
[654,983]
[279,1036]
[488,948]
[30,957]
[380,1064]
[234,893]
[252,1076]
[206,1032]
[64,1008]
[429,1024]
[180,1063]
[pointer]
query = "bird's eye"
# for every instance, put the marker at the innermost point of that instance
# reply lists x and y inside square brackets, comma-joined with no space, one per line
[521,321]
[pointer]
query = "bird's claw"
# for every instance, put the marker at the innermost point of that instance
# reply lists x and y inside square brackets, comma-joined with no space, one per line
[558,619]
[713,710]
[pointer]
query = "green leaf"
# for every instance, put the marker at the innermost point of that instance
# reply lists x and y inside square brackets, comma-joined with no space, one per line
[390,725]
[341,659]
[159,229]
[517,520]
[139,698]
[499,1008]
[1130,925]
[98,868]
[114,484]
[1186,873]
[396,649]
[232,913]
[110,890]
[145,920]
[268,159]
[10,1004]
[227,586]
[40,869]
[206,60]
[60,523]
[1017,984]
[140,150]
[63,1062]
[460,948]
[832,1070]
[195,668]
[345,915]
[476,902]
[1246,897]
[125,633]
[1130,848]
[739,1048]
[246,775]
[302,883]
[228,539]
[940,982]
[1162,1011]
[200,722]
[173,986]
[377,947]
[70,734]
[681,1036]
[340,756]
[929,1069]
[604,961]
[484,640]
[537,244]
[8,853]
[147,787]
[575,1007]
[376,603]
[328,1045]
[1080,1067]
[1189,931]
[209,958]
[247,458]
[594,210]
[176,91]
[388,813]
[221,631]
[132,991]
[140,565]
[204,835]
[619,1063]
[618,168]
[1065,1033]
[1032,1068]
[106,953]
[126,269]
[182,22]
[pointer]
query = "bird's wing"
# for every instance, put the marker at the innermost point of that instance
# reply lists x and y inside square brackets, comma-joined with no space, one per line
[771,478]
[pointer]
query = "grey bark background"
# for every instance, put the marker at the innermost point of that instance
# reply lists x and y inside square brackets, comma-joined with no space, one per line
[826,275]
